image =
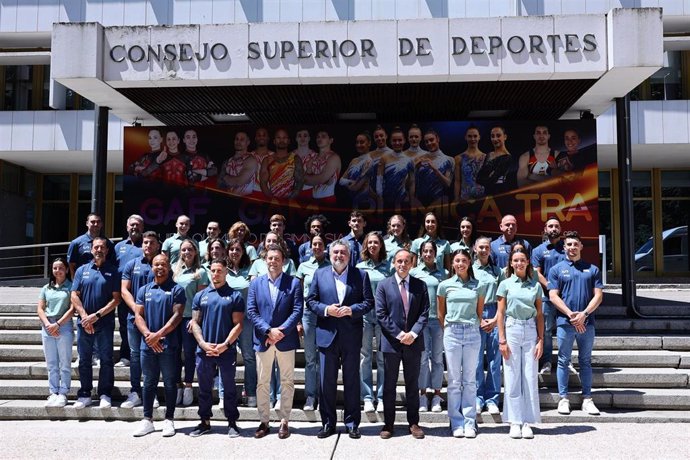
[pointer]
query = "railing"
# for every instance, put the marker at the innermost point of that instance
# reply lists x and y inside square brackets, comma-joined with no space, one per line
[31,260]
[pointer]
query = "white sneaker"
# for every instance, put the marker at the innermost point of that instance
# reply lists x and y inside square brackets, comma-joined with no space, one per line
[308,405]
[379,407]
[61,401]
[95,362]
[564,406]
[589,407]
[133,400]
[187,396]
[369,407]
[50,402]
[75,364]
[82,402]
[436,404]
[479,407]
[145,427]
[221,403]
[251,401]
[492,408]
[572,369]
[124,362]
[105,403]
[168,428]
[277,405]
[527,432]
[515,431]
[156,404]
[459,432]
[470,433]
[423,403]
[180,395]
[545,369]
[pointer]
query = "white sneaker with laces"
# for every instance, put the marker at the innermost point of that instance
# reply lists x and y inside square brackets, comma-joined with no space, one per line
[589,407]
[187,396]
[145,427]
[277,405]
[50,402]
[369,407]
[82,402]
[61,401]
[133,400]
[459,432]
[180,395]
[515,431]
[124,362]
[423,403]
[470,433]
[156,404]
[75,364]
[168,428]
[379,407]
[309,404]
[105,403]
[527,432]
[436,404]
[545,369]
[492,408]
[251,401]
[564,406]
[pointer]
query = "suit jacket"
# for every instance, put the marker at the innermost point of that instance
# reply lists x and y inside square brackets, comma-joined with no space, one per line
[358,296]
[391,313]
[286,312]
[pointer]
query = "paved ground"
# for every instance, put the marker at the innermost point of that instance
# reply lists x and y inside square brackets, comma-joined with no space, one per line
[98,439]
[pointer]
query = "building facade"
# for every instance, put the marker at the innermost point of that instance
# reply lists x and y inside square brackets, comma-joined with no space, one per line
[197,62]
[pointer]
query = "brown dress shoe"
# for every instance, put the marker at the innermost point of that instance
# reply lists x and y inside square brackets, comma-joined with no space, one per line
[416,432]
[262,431]
[386,432]
[283,431]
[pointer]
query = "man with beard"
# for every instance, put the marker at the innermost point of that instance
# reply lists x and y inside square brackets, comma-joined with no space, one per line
[237,173]
[281,175]
[260,153]
[500,247]
[539,162]
[79,250]
[340,296]
[544,257]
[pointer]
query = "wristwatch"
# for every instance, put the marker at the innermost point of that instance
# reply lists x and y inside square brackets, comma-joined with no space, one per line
[98,314]
[267,331]
[586,314]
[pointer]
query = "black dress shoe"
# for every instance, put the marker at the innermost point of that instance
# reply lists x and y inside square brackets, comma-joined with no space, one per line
[325,432]
[354,433]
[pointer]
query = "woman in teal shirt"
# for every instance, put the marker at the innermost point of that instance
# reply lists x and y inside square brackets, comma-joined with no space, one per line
[460,305]
[467,235]
[432,231]
[191,277]
[238,279]
[520,340]
[377,266]
[240,231]
[217,249]
[55,310]
[305,273]
[431,371]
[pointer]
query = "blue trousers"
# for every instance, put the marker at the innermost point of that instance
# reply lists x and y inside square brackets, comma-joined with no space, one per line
[153,365]
[206,367]
[102,339]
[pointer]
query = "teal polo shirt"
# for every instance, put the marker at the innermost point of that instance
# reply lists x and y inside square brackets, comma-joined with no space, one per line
[520,296]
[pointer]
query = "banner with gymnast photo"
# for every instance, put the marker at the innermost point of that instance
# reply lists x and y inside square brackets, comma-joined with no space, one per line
[480,169]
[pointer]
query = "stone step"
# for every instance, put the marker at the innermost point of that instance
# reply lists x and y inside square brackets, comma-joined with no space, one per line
[35,410]
[620,311]
[601,377]
[18,308]
[628,325]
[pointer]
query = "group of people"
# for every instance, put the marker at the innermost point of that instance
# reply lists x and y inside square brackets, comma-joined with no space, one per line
[412,172]
[472,300]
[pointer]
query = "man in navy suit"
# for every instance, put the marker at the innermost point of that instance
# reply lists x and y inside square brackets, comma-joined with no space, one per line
[402,309]
[274,306]
[340,295]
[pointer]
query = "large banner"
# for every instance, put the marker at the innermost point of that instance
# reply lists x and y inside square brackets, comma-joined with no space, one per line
[480,169]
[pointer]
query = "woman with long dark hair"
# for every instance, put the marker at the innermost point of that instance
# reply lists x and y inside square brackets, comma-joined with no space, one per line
[55,310]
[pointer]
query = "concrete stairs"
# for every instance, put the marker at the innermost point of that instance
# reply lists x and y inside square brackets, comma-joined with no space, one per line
[640,375]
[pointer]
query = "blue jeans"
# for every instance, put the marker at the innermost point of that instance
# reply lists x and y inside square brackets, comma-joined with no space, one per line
[206,367]
[102,340]
[153,365]
[134,338]
[311,355]
[489,384]
[188,346]
[246,343]
[371,330]
[461,342]
[58,353]
[549,311]
[521,399]
[431,369]
[122,315]
[567,336]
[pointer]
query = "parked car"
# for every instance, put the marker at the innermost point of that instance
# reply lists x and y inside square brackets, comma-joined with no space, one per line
[675,242]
